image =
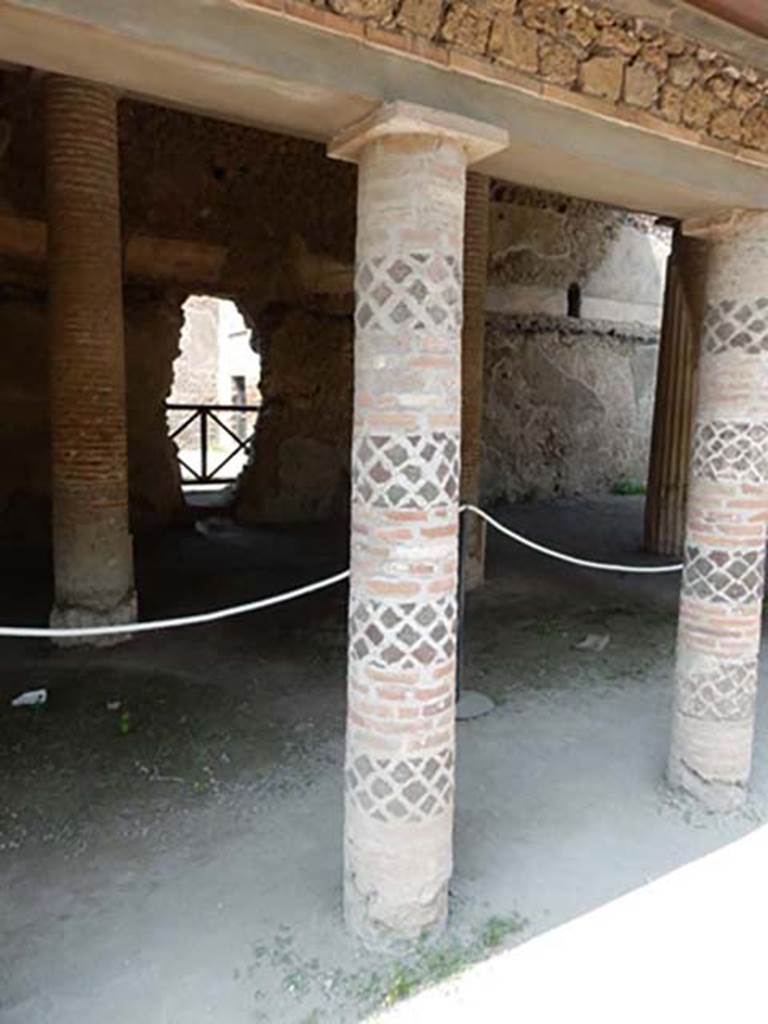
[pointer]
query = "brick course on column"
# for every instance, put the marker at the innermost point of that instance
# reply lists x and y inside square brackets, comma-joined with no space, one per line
[399,774]
[472,358]
[93,563]
[724,577]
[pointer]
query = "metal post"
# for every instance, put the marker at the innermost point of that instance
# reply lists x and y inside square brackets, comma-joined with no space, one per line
[469,703]
[461,604]
[204,443]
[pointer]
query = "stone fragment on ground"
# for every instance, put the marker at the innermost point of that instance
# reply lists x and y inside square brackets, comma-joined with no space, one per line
[472,704]
[596,642]
[30,699]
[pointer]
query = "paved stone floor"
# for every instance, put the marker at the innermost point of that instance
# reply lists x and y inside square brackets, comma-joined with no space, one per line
[170,821]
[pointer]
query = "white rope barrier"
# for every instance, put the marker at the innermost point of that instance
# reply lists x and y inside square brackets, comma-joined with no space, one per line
[131,628]
[184,620]
[572,559]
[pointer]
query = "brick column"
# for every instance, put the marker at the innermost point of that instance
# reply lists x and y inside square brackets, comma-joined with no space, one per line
[405,490]
[472,359]
[93,561]
[723,581]
[665,504]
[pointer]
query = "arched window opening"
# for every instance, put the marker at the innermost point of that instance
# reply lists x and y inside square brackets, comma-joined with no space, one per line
[215,398]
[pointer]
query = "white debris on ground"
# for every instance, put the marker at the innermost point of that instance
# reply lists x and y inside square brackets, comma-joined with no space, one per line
[30,699]
[596,642]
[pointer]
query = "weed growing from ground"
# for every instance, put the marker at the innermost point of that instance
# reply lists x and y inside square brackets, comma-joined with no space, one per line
[433,963]
[626,488]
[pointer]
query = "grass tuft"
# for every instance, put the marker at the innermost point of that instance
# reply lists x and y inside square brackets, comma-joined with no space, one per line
[626,488]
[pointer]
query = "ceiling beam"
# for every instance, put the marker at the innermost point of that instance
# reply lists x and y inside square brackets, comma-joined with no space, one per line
[146,257]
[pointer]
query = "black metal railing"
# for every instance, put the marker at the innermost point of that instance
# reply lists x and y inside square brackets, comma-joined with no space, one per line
[210,438]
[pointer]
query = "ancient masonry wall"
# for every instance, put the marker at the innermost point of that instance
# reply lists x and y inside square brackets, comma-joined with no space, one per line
[300,467]
[196,369]
[568,406]
[541,244]
[237,193]
[152,328]
[25,482]
[234,197]
[152,324]
[576,51]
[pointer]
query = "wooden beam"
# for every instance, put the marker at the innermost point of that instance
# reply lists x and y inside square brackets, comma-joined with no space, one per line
[146,257]
[173,259]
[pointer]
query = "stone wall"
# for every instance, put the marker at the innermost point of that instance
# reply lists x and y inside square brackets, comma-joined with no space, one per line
[568,406]
[540,244]
[24,430]
[623,66]
[299,471]
[212,208]
[196,371]
[152,324]
[152,330]
[287,264]
[240,195]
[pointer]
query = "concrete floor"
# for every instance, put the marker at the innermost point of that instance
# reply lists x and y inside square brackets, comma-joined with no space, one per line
[176,859]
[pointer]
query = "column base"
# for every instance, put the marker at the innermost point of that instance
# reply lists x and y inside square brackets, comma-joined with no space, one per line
[713,796]
[711,761]
[396,881]
[380,937]
[79,617]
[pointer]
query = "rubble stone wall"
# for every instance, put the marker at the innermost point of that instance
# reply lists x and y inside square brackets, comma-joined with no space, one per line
[568,406]
[25,443]
[288,265]
[299,471]
[240,195]
[152,324]
[540,244]
[152,329]
[629,66]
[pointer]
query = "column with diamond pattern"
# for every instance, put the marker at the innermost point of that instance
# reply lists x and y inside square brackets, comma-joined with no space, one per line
[399,769]
[724,575]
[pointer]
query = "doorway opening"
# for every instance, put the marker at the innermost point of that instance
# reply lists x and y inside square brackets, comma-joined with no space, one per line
[215,400]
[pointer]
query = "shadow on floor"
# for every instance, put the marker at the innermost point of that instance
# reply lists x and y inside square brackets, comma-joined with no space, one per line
[170,838]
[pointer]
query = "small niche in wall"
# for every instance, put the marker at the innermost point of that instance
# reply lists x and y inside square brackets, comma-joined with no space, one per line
[574,300]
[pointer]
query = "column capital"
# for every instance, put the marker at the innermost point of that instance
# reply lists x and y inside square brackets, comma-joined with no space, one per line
[727,225]
[478,139]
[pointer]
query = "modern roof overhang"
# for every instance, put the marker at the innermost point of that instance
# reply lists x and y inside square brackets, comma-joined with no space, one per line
[225,59]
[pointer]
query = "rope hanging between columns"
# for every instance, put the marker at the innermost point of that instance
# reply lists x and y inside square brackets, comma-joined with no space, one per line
[198,619]
[572,559]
